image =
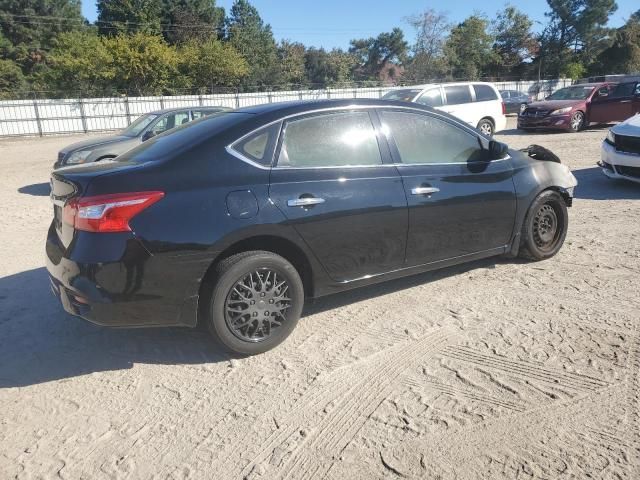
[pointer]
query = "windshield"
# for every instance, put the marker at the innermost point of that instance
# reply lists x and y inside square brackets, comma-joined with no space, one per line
[402,95]
[572,93]
[138,125]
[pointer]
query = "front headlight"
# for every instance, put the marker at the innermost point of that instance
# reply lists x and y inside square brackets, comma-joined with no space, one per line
[560,111]
[611,137]
[78,157]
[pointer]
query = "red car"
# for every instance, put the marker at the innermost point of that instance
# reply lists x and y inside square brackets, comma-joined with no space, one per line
[574,108]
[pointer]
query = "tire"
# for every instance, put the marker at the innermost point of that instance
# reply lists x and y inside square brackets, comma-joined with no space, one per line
[251,328]
[486,127]
[577,122]
[545,227]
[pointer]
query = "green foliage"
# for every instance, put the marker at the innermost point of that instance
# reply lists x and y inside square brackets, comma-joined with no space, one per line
[469,48]
[378,57]
[428,60]
[211,63]
[328,68]
[623,56]
[11,78]
[291,56]
[187,20]
[253,39]
[116,17]
[514,41]
[573,70]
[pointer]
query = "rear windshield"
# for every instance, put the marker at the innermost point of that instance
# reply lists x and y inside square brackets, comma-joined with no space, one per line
[405,95]
[571,93]
[182,138]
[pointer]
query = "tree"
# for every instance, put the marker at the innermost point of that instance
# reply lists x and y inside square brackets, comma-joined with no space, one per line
[623,56]
[253,39]
[291,57]
[428,60]
[186,20]
[211,63]
[80,63]
[29,28]
[577,28]
[379,58]
[143,64]
[116,17]
[469,49]
[514,41]
[11,79]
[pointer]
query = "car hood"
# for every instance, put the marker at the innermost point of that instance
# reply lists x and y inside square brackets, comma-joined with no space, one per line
[630,127]
[94,142]
[555,104]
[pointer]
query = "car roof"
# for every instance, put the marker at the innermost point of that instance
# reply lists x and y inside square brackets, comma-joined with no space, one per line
[192,107]
[298,106]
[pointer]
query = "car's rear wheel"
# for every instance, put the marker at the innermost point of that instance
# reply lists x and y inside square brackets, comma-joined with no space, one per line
[545,226]
[256,302]
[485,126]
[576,123]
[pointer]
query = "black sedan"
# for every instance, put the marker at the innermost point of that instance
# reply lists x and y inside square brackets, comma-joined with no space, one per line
[234,220]
[514,101]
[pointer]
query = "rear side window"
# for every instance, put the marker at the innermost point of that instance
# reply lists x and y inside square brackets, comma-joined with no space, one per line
[484,93]
[424,139]
[505,94]
[457,94]
[431,98]
[330,140]
[258,147]
[623,90]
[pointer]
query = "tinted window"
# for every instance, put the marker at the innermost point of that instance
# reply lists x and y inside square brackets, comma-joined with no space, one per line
[257,146]
[170,121]
[458,94]
[623,90]
[503,93]
[484,93]
[425,139]
[431,98]
[329,140]
[405,95]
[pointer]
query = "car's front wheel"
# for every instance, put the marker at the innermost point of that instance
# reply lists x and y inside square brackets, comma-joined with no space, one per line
[545,226]
[256,302]
[576,122]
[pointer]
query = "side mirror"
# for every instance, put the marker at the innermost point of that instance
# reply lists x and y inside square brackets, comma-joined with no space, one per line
[603,92]
[497,150]
[147,135]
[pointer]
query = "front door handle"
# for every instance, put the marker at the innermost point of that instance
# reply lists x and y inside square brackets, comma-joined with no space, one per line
[625,101]
[304,202]
[424,190]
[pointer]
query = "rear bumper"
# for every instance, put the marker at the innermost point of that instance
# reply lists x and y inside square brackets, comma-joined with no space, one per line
[128,292]
[501,123]
[552,122]
[619,165]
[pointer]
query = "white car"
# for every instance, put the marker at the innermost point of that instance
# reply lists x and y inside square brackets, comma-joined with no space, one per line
[477,103]
[621,151]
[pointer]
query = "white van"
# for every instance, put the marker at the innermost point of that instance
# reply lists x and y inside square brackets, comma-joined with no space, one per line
[477,103]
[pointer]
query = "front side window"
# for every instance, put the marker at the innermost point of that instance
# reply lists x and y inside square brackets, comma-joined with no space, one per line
[330,140]
[139,125]
[431,98]
[484,93]
[623,90]
[572,93]
[457,94]
[423,139]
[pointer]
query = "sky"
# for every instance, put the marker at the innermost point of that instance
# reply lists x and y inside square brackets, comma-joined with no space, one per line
[332,23]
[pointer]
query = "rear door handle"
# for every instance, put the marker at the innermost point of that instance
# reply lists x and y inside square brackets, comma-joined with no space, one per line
[424,190]
[304,202]
[625,101]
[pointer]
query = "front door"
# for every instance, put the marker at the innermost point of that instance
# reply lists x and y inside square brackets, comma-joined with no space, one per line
[337,187]
[460,203]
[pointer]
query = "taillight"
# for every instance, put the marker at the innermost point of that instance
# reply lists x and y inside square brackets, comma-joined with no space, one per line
[107,213]
[504,109]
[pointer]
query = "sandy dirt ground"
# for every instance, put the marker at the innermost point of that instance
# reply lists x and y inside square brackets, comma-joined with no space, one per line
[495,370]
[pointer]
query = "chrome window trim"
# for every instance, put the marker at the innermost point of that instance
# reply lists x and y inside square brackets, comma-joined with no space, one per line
[436,113]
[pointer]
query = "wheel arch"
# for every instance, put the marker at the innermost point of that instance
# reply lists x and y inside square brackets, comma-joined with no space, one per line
[282,246]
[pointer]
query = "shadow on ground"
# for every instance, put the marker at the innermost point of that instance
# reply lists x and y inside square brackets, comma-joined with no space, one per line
[39,342]
[37,189]
[594,185]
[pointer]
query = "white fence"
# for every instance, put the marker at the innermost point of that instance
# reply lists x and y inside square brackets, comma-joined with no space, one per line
[48,117]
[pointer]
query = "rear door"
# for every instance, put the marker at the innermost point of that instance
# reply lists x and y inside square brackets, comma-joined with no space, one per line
[334,181]
[616,106]
[459,103]
[459,202]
